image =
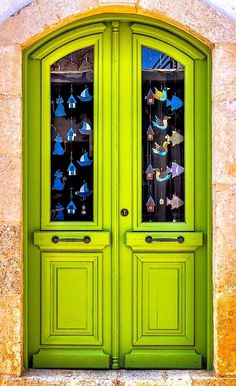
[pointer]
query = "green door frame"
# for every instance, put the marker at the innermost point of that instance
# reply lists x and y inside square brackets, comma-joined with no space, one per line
[189,46]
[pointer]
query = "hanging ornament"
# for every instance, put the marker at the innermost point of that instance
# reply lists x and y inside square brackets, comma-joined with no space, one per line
[174,217]
[85,96]
[85,128]
[84,191]
[71,207]
[71,168]
[84,160]
[160,150]
[71,134]
[150,133]
[162,176]
[175,103]
[58,181]
[58,212]
[60,110]
[161,201]
[160,95]
[161,124]
[175,169]
[175,138]
[83,210]
[175,202]
[58,149]
[150,97]
[71,101]
[149,172]
[150,205]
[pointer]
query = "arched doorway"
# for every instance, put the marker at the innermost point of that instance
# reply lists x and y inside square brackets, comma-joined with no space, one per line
[118,206]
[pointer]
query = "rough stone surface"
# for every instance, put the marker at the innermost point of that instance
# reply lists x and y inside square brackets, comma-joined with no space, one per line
[10,126]
[10,70]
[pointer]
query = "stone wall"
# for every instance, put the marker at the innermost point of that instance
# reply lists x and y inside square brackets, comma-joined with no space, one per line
[198,19]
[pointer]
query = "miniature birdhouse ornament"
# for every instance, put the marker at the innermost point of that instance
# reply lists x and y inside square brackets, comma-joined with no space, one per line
[149,172]
[71,169]
[150,205]
[150,97]
[150,133]
[85,96]
[71,208]
[59,212]
[72,101]
[58,183]
[71,135]
[58,149]
[60,110]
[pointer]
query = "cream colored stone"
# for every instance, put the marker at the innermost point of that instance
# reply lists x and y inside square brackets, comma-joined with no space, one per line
[10,70]
[11,335]
[224,139]
[10,189]
[10,127]
[224,72]
[11,264]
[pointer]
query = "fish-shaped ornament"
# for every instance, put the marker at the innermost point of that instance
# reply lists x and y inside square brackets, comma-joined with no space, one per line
[84,191]
[150,133]
[71,208]
[160,150]
[162,176]
[150,97]
[160,95]
[60,110]
[85,96]
[84,160]
[71,102]
[71,169]
[58,184]
[175,103]
[149,172]
[176,138]
[58,149]
[71,135]
[85,128]
[150,205]
[161,124]
[175,202]
[59,212]
[175,169]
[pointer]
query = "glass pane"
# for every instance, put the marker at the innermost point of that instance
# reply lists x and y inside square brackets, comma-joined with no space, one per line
[162,138]
[72,137]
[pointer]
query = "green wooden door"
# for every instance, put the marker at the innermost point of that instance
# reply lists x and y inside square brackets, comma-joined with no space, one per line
[117,206]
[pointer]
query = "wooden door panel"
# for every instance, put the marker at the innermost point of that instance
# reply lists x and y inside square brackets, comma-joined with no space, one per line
[72,298]
[163,299]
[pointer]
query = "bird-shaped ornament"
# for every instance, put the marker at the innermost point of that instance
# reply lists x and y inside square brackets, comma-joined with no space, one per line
[162,176]
[160,95]
[160,150]
[176,138]
[161,124]
[175,202]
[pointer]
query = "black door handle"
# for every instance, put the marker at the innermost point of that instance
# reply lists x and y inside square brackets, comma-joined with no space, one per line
[85,239]
[179,239]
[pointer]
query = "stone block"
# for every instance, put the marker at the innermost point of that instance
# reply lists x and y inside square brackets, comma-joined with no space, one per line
[11,265]
[10,70]
[11,189]
[11,335]
[225,334]
[223,142]
[224,72]
[10,127]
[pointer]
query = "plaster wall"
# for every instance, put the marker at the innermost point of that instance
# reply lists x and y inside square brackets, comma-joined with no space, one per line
[216,30]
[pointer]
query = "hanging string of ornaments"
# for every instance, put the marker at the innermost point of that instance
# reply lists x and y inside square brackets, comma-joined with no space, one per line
[60,147]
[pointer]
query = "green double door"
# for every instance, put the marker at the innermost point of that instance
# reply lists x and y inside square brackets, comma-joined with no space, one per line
[116,206]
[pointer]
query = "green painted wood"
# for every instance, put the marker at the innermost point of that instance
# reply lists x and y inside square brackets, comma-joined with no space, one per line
[118,185]
[98,240]
[163,359]
[71,358]
[137,241]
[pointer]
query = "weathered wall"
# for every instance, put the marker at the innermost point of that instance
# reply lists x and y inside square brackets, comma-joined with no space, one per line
[37,20]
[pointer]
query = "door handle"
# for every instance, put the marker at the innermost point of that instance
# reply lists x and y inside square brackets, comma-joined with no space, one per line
[85,239]
[179,239]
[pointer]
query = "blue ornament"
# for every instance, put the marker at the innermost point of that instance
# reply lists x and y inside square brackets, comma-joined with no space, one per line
[60,110]
[85,128]
[58,149]
[71,169]
[84,160]
[85,96]
[175,103]
[72,102]
[71,208]
[84,191]
[71,135]
[58,184]
[59,209]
